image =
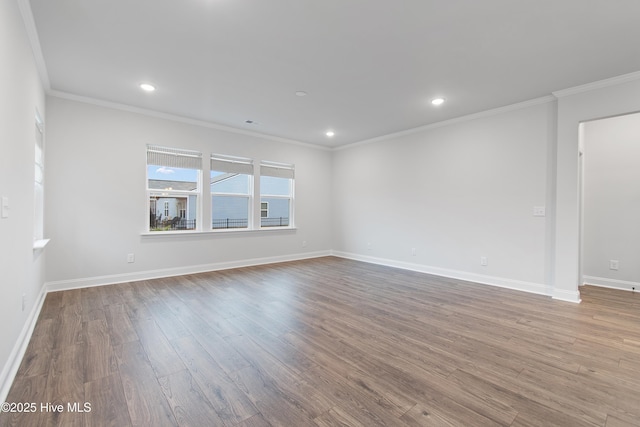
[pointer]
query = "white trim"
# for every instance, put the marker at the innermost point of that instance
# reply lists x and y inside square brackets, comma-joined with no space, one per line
[469,117]
[275,196]
[603,282]
[202,233]
[17,353]
[211,125]
[40,244]
[597,85]
[34,41]
[87,282]
[180,119]
[518,285]
[568,296]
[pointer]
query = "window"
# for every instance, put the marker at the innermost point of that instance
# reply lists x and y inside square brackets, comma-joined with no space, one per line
[276,194]
[231,192]
[173,182]
[38,218]
[177,199]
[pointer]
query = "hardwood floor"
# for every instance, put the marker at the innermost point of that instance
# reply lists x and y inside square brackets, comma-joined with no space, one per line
[329,342]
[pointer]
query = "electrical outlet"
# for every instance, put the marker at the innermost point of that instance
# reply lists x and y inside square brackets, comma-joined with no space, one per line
[484,261]
[24,301]
[369,246]
[131,258]
[539,211]
[304,243]
[614,264]
[413,251]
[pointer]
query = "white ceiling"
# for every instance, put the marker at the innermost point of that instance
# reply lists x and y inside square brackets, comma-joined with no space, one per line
[370,67]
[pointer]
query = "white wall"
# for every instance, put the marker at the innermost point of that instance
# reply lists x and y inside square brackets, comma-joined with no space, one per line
[21,267]
[611,227]
[455,193]
[97,159]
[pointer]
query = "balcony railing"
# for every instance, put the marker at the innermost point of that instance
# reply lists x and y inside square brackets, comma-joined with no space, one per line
[229,223]
[274,222]
[217,224]
[176,223]
[244,223]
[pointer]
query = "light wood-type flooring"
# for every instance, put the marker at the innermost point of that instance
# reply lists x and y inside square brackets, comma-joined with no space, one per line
[330,342]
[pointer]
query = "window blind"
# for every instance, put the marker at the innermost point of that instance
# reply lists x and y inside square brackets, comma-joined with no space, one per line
[229,164]
[278,170]
[173,157]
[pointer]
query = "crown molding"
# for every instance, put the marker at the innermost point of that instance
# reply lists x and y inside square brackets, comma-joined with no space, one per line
[34,41]
[461,119]
[597,85]
[180,119]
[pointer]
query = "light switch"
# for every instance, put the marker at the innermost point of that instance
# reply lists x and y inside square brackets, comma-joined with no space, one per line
[5,207]
[538,211]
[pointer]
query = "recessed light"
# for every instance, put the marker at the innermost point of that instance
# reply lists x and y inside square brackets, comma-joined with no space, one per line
[301,93]
[249,122]
[147,87]
[437,101]
[330,133]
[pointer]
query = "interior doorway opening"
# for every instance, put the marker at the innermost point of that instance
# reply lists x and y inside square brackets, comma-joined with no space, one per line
[609,200]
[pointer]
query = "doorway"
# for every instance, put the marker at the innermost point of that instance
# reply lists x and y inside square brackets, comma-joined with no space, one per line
[609,150]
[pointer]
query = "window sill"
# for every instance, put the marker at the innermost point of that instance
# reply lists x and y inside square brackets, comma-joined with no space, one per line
[221,231]
[40,244]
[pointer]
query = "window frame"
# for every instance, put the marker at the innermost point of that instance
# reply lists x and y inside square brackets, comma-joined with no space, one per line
[38,182]
[238,166]
[278,170]
[180,159]
[204,198]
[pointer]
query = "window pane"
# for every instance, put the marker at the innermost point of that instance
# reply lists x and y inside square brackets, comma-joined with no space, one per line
[172,211]
[275,186]
[277,212]
[229,183]
[38,214]
[229,212]
[173,186]
[168,178]
[39,174]
[39,209]
[38,154]
[168,209]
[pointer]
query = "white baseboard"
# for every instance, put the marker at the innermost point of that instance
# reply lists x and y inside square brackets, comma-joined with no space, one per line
[17,353]
[535,288]
[568,296]
[603,282]
[87,282]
